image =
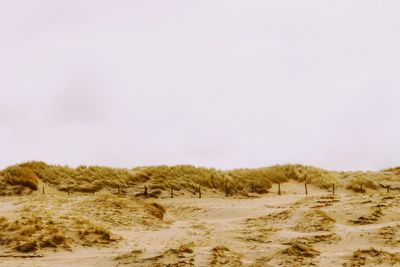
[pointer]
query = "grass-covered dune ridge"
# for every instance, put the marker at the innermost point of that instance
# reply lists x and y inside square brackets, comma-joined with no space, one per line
[25,177]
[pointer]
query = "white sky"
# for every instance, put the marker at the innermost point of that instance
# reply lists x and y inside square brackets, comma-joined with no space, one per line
[221,84]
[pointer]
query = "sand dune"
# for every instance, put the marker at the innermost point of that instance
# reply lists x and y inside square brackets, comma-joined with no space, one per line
[292,229]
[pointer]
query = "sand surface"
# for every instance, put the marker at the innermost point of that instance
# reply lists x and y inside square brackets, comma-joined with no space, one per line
[292,229]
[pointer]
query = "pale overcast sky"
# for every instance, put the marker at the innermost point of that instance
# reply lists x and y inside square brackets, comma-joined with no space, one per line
[223,84]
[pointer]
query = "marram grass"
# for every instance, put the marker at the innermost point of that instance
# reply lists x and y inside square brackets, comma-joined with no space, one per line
[25,177]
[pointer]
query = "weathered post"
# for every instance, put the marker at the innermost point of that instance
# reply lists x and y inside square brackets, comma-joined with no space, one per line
[279,188]
[172,192]
[361,188]
[43,190]
[145,190]
[199,191]
[388,189]
[305,187]
[333,189]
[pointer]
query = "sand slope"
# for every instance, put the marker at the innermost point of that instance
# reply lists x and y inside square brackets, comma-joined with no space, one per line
[292,229]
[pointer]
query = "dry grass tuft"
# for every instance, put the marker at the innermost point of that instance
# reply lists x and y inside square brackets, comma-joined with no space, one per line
[82,178]
[94,234]
[116,211]
[390,235]
[373,257]
[223,256]
[300,250]
[128,258]
[53,241]
[260,229]
[369,219]
[297,254]
[157,210]
[315,220]
[29,234]
[37,227]
[17,175]
[360,182]
[180,257]
[16,180]
[330,238]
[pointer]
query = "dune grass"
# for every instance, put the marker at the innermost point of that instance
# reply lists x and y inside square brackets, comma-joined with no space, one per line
[29,234]
[360,181]
[38,225]
[120,210]
[17,179]
[82,178]
[183,177]
[18,175]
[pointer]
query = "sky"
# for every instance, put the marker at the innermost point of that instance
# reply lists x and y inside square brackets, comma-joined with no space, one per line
[225,84]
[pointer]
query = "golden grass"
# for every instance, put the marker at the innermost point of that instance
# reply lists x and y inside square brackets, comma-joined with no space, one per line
[181,256]
[395,170]
[29,234]
[82,178]
[17,180]
[118,211]
[296,254]
[38,224]
[223,256]
[373,257]
[359,182]
[93,233]
[299,249]
[19,175]
[161,179]
[156,209]
[317,220]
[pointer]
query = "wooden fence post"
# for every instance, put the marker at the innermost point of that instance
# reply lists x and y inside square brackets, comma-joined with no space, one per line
[361,188]
[305,187]
[199,191]
[172,192]
[279,188]
[145,190]
[388,189]
[333,189]
[43,190]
